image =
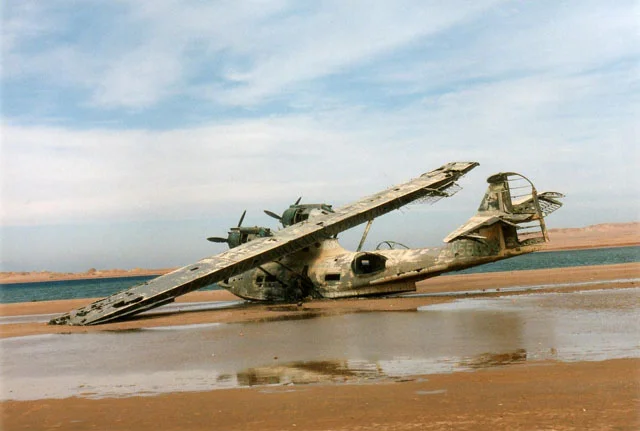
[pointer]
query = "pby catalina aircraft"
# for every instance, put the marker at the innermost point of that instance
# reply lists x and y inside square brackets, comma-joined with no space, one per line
[304,259]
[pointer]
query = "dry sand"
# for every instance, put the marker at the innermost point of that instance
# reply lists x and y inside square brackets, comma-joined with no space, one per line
[599,235]
[38,276]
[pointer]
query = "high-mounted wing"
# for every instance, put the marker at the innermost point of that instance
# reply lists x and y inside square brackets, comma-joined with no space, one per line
[164,289]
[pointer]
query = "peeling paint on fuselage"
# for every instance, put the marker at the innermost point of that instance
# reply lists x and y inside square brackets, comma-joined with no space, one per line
[501,229]
[327,270]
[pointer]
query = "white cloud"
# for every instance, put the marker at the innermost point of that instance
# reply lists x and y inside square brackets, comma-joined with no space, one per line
[245,53]
[337,36]
[249,51]
[545,127]
[561,39]
[367,95]
[54,175]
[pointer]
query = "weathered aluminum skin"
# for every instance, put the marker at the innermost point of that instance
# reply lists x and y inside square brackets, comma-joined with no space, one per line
[260,251]
[506,225]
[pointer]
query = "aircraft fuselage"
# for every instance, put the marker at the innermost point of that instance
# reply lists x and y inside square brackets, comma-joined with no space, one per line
[327,270]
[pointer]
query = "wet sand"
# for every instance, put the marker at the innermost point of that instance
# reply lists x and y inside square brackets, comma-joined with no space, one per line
[581,276]
[545,396]
[502,392]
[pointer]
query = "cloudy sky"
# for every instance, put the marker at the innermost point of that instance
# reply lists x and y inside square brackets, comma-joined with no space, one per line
[133,130]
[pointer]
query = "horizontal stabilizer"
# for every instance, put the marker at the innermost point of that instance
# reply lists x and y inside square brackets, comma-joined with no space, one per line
[474,224]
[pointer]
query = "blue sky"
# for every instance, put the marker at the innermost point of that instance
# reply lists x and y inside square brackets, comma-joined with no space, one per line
[133,130]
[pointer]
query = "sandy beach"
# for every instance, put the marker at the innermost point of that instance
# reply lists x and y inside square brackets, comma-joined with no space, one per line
[547,396]
[598,275]
[529,350]
[502,392]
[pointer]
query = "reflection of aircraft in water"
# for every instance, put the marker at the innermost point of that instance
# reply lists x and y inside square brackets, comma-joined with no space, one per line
[304,258]
[343,371]
[305,372]
[488,360]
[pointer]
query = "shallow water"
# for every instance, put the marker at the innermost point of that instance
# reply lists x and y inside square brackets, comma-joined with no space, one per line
[352,348]
[71,289]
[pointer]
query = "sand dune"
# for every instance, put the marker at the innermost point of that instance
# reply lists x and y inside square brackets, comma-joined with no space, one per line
[599,235]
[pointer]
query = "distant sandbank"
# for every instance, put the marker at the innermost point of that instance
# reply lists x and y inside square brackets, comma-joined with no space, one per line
[594,236]
[40,276]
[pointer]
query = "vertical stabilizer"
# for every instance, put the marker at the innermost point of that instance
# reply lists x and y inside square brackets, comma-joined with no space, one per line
[511,211]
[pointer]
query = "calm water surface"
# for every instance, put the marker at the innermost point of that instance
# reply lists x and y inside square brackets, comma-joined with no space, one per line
[69,289]
[463,335]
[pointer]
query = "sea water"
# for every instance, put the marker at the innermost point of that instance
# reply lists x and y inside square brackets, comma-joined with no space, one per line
[70,289]
[98,288]
[561,259]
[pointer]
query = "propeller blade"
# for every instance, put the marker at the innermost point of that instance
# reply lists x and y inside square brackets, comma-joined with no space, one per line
[242,218]
[298,201]
[272,214]
[217,239]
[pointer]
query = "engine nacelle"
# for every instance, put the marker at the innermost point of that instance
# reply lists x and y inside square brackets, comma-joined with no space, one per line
[298,213]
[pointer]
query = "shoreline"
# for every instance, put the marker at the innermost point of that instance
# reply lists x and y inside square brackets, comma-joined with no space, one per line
[604,235]
[549,248]
[24,277]
[584,278]
[500,394]
[7,278]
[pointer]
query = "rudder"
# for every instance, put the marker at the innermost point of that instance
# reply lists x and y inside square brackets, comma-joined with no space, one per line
[511,211]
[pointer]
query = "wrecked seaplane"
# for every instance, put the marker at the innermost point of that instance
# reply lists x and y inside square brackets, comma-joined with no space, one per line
[304,260]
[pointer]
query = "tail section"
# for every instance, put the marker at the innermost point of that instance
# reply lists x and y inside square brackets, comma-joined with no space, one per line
[511,215]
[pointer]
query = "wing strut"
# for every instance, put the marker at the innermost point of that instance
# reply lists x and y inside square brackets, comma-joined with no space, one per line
[364,235]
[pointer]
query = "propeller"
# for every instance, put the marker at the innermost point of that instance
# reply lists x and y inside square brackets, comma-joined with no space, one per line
[220,239]
[217,239]
[272,214]
[242,218]
[278,217]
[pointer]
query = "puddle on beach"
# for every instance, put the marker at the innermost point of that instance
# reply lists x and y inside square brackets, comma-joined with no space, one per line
[352,348]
